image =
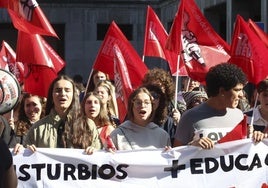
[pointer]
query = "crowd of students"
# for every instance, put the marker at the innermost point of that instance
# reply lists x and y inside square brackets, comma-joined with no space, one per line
[88,117]
[72,117]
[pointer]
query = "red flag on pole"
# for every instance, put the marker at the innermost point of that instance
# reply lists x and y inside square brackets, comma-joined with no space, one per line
[27,16]
[6,54]
[41,63]
[122,83]
[8,62]
[174,40]
[249,52]
[194,38]
[155,40]
[259,32]
[105,58]
[239,132]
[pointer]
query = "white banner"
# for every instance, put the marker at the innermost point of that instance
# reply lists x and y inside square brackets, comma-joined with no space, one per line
[233,164]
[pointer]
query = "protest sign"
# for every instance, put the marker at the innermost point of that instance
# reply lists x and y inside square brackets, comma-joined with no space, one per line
[232,164]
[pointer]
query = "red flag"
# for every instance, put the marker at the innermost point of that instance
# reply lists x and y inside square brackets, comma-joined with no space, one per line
[239,132]
[194,38]
[27,16]
[105,58]
[249,52]
[8,62]
[41,63]
[259,32]
[182,69]
[155,39]
[58,62]
[6,55]
[3,3]
[122,82]
[173,42]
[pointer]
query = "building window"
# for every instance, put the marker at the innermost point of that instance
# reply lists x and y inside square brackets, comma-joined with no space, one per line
[9,34]
[127,30]
[169,25]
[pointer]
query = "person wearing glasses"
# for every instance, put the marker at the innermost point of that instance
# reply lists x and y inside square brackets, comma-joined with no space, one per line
[139,132]
[163,79]
[161,117]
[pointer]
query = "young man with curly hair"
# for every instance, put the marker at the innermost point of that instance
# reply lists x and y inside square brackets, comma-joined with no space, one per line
[205,124]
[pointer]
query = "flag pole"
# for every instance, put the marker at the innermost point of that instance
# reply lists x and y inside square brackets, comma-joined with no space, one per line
[12,114]
[89,77]
[188,83]
[251,129]
[177,82]
[12,111]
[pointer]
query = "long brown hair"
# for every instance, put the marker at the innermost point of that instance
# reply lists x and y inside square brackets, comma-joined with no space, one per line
[112,103]
[91,85]
[74,108]
[102,119]
[79,134]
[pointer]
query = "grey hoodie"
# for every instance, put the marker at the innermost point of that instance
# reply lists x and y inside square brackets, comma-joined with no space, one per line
[129,136]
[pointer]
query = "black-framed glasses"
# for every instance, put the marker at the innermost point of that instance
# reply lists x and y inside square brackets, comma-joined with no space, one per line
[139,103]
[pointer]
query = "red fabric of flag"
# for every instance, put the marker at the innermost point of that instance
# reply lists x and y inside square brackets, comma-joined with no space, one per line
[155,40]
[6,56]
[259,32]
[122,83]
[194,38]
[40,61]
[249,52]
[105,59]
[9,63]
[174,40]
[3,3]
[239,132]
[28,17]
[182,69]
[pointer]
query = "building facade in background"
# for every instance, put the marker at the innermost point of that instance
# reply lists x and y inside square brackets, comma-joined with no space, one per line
[81,24]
